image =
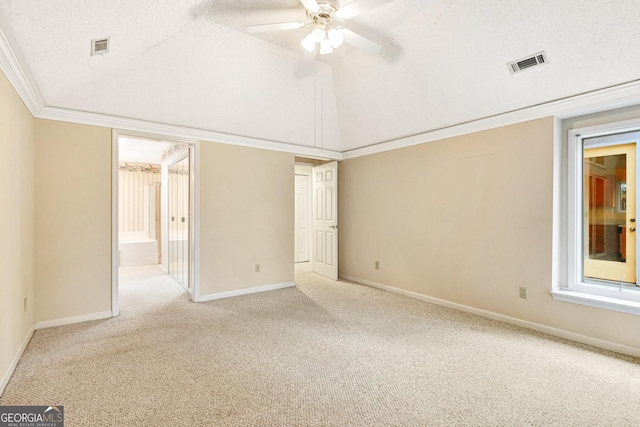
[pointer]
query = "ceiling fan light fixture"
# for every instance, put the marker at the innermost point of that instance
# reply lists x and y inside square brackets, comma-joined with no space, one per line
[335,37]
[325,47]
[321,15]
[318,33]
[309,43]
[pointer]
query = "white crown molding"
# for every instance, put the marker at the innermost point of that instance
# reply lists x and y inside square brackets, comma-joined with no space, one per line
[604,99]
[180,132]
[17,75]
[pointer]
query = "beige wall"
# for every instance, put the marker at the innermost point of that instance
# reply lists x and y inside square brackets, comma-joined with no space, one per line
[72,220]
[16,223]
[246,217]
[467,220]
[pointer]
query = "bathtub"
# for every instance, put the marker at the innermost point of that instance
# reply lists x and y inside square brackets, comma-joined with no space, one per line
[136,249]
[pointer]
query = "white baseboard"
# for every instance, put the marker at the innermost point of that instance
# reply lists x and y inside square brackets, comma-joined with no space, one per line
[607,345]
[73,319]
[228,294]
[7,375]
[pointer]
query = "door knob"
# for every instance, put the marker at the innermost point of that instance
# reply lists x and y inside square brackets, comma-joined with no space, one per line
[632,220]
[632,229]
[334,227]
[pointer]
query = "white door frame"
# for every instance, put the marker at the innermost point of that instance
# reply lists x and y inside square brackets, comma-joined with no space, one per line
[194,240]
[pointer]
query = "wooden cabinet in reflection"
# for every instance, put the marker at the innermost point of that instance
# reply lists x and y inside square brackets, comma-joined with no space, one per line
[607,238]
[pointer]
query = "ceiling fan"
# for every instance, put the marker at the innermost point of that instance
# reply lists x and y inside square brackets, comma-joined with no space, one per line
[323,15]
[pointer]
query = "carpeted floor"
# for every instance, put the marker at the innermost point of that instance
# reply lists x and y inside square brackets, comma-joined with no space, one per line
[321,354]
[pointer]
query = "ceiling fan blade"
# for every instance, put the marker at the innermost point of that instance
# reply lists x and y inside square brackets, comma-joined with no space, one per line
[358,7]
[310,5]
[263,28]
[362,43]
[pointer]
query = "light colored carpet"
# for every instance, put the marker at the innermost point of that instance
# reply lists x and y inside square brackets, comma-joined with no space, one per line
[322,354]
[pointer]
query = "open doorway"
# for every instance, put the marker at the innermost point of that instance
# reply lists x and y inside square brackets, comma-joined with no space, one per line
[152,228]
[316,217]
[302,224]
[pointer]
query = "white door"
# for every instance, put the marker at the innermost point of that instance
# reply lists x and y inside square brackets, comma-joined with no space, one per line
[325,220]
[302,221]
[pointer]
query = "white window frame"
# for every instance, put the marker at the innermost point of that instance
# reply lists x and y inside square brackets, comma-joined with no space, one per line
[571,287]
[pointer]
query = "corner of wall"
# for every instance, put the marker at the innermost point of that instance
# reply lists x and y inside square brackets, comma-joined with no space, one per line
[248,196]
[17,239]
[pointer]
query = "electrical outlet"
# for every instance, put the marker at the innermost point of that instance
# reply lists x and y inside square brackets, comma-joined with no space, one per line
[523,292]
[257,268]
[25,303]
[377,265]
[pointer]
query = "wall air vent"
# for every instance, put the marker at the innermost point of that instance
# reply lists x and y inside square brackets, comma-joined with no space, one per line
[99,46]
[538,59]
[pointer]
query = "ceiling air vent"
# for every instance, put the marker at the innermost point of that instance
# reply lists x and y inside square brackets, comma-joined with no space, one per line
[99,46]
[539,58]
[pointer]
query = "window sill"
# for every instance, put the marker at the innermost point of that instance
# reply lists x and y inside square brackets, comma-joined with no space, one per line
[598,301]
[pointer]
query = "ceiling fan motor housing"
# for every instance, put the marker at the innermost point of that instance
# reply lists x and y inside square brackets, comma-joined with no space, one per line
[321,14]
[325,14]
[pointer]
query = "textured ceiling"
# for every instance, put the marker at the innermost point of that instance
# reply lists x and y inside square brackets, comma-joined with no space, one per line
[190,63]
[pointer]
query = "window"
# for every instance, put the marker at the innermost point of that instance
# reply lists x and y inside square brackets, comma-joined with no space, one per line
[600,218]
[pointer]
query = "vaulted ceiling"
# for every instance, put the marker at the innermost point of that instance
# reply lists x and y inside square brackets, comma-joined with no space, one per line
[190,63]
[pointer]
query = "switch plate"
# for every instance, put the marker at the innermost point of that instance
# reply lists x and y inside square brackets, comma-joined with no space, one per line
[257,268]
[523,292]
